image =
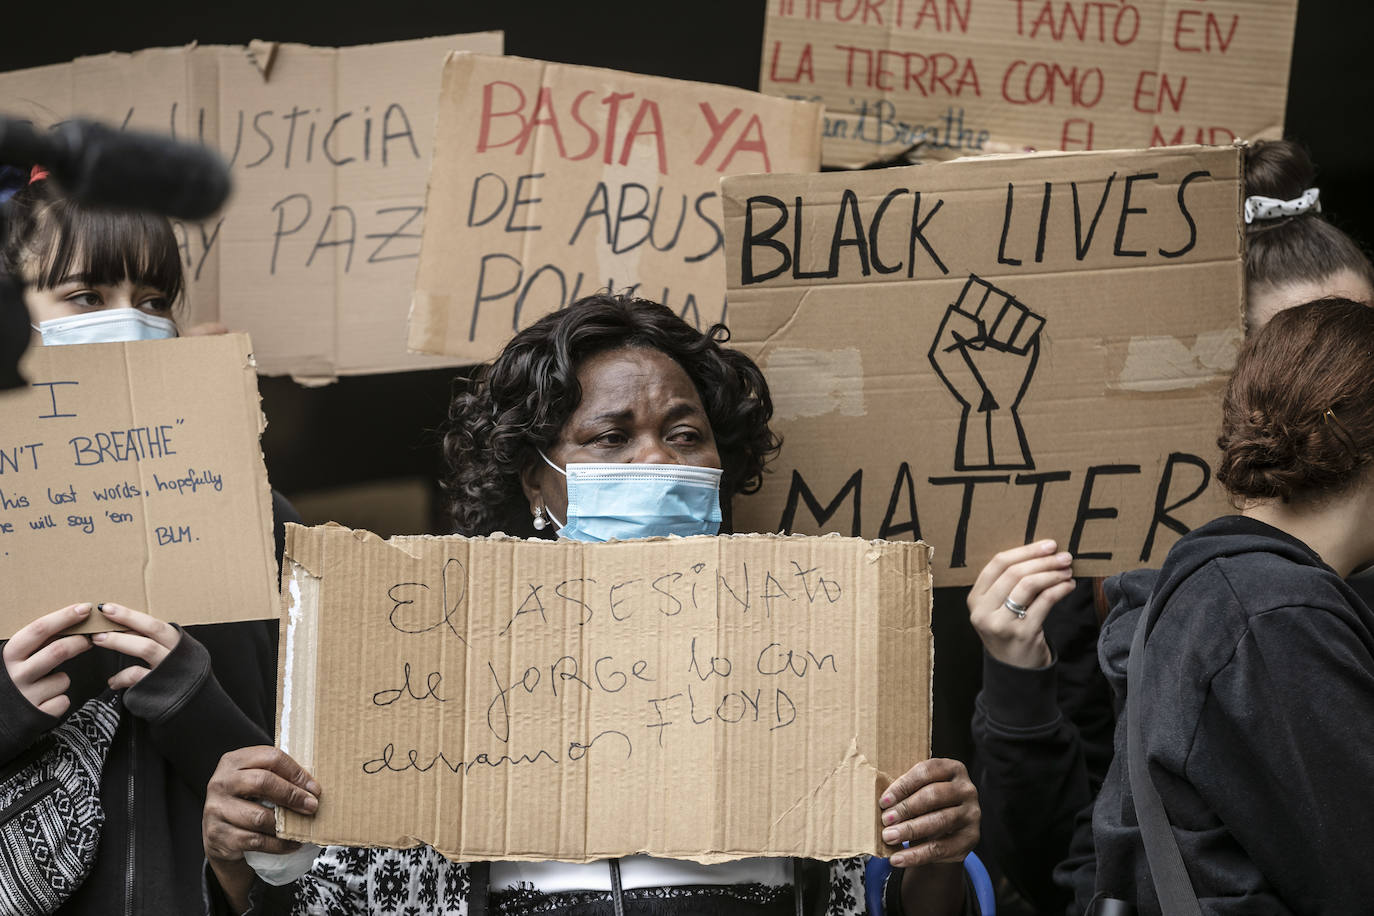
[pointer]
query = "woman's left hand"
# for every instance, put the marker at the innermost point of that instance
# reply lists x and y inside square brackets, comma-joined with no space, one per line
[147,638]
[934,807]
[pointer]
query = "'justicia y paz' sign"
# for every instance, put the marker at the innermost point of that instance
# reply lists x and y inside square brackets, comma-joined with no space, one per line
[984,352]
[329,151]
[508,699]
[131,473]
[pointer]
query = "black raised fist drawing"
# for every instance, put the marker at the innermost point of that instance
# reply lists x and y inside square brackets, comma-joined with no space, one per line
[985,353]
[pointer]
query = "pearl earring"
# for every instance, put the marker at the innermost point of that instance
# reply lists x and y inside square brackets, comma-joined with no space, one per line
[539,523]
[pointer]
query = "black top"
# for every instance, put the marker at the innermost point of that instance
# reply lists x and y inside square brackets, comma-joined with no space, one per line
[1260,682]
[1043,740]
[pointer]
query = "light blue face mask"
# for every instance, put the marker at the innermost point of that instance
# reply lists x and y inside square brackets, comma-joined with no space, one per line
[627,501]
[105,326]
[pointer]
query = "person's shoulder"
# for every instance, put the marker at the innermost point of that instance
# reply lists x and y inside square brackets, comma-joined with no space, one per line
[1263,583]
[1239,567]
[1208,613]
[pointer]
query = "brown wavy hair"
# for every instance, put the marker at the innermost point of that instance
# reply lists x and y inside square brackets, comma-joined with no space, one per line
[1298,416]
[519,402]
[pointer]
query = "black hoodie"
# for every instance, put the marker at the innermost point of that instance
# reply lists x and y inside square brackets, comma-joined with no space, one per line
[1042,741]
[1259,674]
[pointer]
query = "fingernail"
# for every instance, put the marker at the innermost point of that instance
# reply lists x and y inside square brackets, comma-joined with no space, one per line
[99,637]
[82,610]
[889,817]
[890,835]
[310,804]
[1047,545]
[106,608]
[885,801]
[312,787]
[1064,557]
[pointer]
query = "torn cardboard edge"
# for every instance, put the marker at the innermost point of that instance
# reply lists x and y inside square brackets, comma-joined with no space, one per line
[263,54]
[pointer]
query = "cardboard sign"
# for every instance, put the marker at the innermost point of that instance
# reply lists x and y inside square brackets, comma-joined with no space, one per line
[315,253]
[131,473]
[985,352]
[551,182]
[967,77]
[699,698]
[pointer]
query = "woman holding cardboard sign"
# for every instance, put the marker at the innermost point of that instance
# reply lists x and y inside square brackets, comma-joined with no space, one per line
[611,419]
[134,720]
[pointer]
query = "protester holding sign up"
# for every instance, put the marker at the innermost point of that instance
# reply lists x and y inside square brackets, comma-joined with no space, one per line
[97,276]
[1044,719]
[611,419]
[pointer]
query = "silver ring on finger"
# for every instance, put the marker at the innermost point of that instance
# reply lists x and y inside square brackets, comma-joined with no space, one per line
[1015,607]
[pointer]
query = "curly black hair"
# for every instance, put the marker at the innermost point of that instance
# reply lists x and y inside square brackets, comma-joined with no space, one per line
[519,402]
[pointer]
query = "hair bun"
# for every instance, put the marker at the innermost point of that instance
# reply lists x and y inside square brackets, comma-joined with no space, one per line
[1281,169]
[1262,456]
[1298,416]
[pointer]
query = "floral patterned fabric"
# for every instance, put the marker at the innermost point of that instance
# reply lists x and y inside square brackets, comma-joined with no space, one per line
[359,881]
[351,881]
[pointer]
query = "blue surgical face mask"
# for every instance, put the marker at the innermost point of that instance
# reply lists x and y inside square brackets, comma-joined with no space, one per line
[105,326]
[627,501]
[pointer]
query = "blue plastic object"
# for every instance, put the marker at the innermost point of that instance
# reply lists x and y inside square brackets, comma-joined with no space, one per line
[982,884]
[875,873]
[878,868]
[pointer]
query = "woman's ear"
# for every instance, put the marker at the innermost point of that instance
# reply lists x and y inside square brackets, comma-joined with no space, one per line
[530,483]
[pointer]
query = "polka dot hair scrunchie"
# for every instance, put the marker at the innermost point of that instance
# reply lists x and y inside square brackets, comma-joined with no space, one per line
[1260,208]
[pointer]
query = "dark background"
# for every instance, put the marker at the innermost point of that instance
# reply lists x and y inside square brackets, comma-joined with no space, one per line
[364,450]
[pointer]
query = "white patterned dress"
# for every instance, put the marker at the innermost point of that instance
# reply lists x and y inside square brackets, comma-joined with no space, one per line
[359,881]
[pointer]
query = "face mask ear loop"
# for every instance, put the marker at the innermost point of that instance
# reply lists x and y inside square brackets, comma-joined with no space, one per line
[553,518]
[552,465]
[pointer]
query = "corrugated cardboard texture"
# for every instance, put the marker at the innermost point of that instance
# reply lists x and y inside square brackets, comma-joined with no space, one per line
[551,182]
[966,77]
[985,352]
[131,472]
[315,253]
[705,699]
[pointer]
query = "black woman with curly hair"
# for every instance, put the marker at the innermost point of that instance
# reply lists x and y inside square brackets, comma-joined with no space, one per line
[613,418]
[532,401]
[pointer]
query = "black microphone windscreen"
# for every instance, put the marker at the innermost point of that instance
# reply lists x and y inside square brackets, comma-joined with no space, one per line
[122,168]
